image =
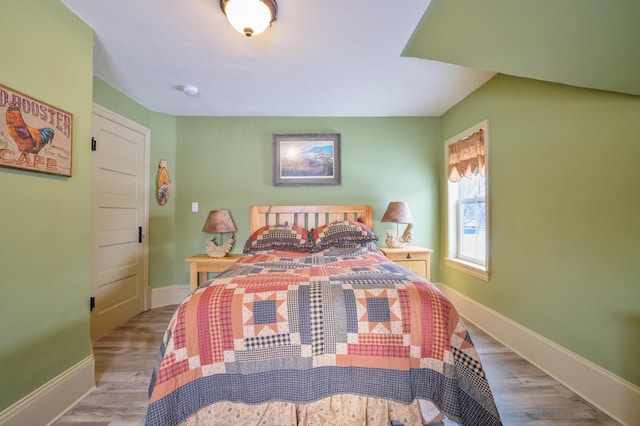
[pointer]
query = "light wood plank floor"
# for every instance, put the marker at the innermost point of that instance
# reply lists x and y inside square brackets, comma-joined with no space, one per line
[126,356]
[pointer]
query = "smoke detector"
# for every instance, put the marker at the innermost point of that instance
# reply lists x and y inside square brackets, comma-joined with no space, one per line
[190,91]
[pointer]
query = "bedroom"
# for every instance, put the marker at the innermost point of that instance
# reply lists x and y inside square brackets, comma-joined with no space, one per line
[553,193]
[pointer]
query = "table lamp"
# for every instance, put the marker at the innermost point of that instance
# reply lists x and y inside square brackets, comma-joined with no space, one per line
[219,222]
[398,212]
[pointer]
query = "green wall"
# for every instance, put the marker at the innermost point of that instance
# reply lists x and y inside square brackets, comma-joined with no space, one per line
[592,46]
[226,163]
[564,202]
[44,220]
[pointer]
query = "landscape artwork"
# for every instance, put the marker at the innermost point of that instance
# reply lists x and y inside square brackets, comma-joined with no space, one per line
[306,159]
[34,136]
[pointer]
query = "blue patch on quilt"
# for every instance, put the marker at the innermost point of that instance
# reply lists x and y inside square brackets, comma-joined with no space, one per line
[264,312]
[378,309]
[351,311]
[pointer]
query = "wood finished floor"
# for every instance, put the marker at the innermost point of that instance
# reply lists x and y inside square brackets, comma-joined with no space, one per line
[126,356]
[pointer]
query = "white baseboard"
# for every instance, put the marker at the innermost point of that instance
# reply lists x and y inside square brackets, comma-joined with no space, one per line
[613,395]
[51,400]
[47,403]
[169,295]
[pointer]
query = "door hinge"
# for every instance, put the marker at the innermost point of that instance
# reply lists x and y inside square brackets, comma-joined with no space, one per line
[139,234]
[92,304]
[94,144]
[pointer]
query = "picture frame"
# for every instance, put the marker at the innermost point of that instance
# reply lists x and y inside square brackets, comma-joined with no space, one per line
[34,136]
[306,159]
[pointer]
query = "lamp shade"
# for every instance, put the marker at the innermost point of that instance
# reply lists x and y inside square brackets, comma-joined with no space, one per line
[218,221]
[397,212]
[250,17]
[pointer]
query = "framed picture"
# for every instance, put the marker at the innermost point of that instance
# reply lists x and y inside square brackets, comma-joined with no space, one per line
[34,136]
[306,159]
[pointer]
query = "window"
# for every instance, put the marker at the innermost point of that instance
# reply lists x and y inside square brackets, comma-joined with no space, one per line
[467,202]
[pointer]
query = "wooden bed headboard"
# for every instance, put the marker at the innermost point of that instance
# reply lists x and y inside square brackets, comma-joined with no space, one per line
[309,216]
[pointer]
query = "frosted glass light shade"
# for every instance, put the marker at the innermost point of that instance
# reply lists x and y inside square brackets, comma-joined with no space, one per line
[250,17]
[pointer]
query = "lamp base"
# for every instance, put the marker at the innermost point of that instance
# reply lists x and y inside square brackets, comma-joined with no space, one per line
[393,241]
[214,250]
[216,254]
[399,242]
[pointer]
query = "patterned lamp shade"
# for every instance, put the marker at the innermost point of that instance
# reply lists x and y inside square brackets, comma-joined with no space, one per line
[397,212]
[218,221]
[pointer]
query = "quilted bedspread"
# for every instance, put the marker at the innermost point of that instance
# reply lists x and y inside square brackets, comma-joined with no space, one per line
[298,327]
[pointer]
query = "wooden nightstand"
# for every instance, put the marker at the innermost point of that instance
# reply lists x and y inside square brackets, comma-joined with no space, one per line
[413,258]
[200,265]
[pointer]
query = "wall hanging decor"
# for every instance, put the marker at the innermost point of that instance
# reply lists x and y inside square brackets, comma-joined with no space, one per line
[306,159]
[34,136]
[163,183]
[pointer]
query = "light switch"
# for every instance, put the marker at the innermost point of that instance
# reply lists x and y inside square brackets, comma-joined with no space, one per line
[194,207]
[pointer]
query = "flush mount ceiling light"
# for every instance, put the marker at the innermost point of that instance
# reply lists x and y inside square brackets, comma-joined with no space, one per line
[250,17]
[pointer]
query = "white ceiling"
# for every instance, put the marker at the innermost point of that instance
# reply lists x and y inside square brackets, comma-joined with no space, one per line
[320,58]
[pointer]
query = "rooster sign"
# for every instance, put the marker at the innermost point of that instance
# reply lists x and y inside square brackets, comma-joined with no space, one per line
[34,136]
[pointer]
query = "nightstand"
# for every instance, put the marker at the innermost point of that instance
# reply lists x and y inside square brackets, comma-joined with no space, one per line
[413,258]
[200,265]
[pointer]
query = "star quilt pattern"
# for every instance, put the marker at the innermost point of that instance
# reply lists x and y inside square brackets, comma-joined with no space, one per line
[297,327]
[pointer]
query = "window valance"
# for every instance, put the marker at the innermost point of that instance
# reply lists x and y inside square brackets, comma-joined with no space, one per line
[466,157]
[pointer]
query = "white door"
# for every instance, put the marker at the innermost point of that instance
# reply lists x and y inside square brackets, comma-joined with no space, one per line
[119,206]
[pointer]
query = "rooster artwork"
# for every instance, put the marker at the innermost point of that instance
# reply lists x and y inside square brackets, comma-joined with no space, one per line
[34,136]
[29,140]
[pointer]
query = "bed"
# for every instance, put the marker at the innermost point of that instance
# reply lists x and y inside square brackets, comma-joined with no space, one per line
[315,326]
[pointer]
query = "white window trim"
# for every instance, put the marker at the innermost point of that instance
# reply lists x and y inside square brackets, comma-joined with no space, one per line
[473,269]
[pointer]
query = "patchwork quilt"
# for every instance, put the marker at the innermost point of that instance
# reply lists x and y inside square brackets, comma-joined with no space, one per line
[297,327]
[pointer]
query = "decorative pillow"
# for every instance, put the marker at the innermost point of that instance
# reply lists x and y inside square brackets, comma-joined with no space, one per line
[351,248]
[278,237]
[341,233]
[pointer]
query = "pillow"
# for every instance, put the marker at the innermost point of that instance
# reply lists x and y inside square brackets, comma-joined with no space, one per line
[351,248]
[341,233]
[278,237]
